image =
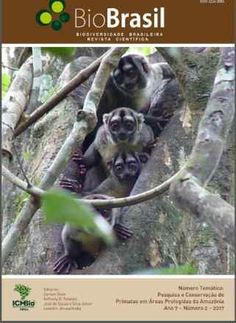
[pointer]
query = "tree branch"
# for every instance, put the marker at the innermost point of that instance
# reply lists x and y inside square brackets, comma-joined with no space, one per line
[194,72]
[33,190]
[206,154]
[10,67]
[15,102]
[60,95]
[85,123]
[111,203]
[37,72]
[190,197]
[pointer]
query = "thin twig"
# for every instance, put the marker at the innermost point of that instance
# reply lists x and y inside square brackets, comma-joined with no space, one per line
[21,165]
[10,67]
[33,190]
[139,198]
[111,203]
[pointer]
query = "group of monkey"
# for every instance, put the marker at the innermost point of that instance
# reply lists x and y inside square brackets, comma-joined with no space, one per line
[115,153]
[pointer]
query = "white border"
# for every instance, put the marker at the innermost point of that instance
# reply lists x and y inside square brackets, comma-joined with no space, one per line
[117,45]
[196,277]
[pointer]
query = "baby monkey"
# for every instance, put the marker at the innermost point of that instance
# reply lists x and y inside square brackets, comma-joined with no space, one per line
[124,171]
[123,131]
[82,248]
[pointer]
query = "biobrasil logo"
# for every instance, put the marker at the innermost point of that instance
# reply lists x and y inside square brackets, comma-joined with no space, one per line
[54,16]
[23,304]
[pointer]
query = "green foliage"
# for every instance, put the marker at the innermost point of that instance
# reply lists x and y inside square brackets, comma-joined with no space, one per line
[141,50]
[65,52]
[186,269]
[23,290]
[6,81]
[61,207]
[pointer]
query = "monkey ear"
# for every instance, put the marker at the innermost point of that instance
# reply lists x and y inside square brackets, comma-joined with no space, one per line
[143,157]
[140,118]
[145,65]
[105,118]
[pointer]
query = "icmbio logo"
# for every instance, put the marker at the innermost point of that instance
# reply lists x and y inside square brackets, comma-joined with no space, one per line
[23,304]
[54,16]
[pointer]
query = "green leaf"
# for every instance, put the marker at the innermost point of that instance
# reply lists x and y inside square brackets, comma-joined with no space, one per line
[187,269]
[61,207]
[6,81]
[60,51]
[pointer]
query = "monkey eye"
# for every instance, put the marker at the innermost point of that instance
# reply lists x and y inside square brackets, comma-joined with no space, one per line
[114,126]
[119,168]
[129,125]
[133,166]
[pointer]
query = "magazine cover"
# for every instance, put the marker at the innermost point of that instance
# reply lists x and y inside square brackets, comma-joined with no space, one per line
[118,161]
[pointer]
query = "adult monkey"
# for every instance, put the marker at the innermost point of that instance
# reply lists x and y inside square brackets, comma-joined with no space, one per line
[133,83]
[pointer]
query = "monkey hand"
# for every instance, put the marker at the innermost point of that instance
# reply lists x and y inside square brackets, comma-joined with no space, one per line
[71,185]
[78,158]
[122,232]
[75,172]
[64,264]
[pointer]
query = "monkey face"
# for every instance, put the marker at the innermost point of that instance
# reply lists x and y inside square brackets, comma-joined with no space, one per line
[123,123]
[131,74]
[126,167]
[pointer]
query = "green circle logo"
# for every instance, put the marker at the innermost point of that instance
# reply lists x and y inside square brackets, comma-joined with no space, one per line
[64,17]
[57,6]
[56,25]
[44,17]
[54,16]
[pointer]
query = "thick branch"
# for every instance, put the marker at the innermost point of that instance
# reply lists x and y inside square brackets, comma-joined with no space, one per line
[59,96]
[37,72]
[15,102]
[194,71]
[194,199]
[207,151]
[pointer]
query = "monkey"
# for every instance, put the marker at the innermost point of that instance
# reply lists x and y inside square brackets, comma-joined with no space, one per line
[137,83]
[131,84]
[124,171]
[123,130]
[82,248]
